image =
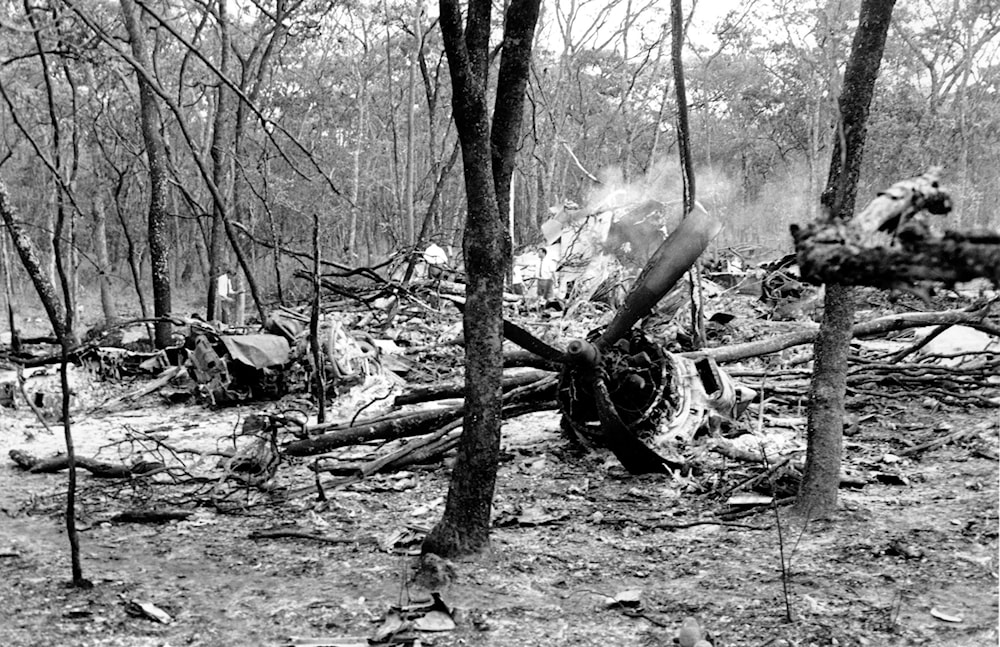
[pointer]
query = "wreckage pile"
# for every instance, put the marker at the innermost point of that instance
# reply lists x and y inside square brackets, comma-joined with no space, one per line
[391,407]
[647,394]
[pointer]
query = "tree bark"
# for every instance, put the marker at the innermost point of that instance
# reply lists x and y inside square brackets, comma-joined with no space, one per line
[159,254]
[821,478]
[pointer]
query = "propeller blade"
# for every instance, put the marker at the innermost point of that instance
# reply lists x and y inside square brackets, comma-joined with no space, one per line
[521,337]
[672,259]
[530,343]
[631,452]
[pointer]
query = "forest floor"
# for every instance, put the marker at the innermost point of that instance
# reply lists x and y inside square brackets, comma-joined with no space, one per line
[912,564]
[909,558]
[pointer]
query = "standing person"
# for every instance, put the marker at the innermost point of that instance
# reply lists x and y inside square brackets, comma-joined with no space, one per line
[437,260]
[547,269]
[225,295]
[516,280]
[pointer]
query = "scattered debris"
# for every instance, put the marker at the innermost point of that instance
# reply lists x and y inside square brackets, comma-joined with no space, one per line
[946,617]
[631,598]
[146,609]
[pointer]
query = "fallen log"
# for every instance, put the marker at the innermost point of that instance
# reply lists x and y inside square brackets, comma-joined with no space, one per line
[440,442]
[527,359]
[415,424]
[537,396]
[432,441]
[880,326]
[150,516]
[456,389]
[162,380]
[59,462]
[285,533]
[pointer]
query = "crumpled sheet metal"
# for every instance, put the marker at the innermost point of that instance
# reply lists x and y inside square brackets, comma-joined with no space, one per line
[707,397]
[257,351]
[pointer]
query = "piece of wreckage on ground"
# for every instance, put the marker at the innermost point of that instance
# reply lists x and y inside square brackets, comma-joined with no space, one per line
[230,366]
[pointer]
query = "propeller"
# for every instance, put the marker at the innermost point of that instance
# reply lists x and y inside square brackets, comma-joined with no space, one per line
[605,375]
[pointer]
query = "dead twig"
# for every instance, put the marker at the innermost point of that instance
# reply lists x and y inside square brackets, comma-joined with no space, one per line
[301,534]
[938,442]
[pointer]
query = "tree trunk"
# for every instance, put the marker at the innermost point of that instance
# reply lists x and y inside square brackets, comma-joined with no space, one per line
[221,141]
[100,210]
[62,325]
[352,231]
[464,527]
[251,83]
[818,492]
[8,289]
[512,81]
[411,95]
[156,156]
[33,266]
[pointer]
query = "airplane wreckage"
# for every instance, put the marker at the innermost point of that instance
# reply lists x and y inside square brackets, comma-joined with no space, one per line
[616,387]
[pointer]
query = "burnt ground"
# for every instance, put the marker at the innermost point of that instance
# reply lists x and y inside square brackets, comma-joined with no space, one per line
[908,559]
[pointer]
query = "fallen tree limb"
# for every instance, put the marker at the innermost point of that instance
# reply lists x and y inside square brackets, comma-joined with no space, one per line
[378,464]
[150,516]
[878,326]
[939,442]
[59,462]
[456,389]
[440,442]
[827,255]
[415,424]
[162,380]
[524,358]
[301,534]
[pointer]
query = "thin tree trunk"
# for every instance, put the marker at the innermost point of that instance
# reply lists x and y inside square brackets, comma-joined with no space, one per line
[352,233]
[411,94]
[159,254]
[8,288]
[221,141]
[100,213]
[319,366]
[62,322]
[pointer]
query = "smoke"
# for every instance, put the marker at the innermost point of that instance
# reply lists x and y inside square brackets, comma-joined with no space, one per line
[758,224]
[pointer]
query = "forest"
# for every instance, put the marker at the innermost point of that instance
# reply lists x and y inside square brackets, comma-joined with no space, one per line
[568,322]
[269,116]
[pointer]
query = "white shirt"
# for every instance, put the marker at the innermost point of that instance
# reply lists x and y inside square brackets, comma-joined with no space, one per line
[547,267]
[434,255]
[224,287]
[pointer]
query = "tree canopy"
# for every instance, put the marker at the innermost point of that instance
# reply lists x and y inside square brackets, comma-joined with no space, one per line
[319,102]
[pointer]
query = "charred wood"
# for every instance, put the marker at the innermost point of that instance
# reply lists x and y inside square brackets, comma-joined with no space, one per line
[456,389]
